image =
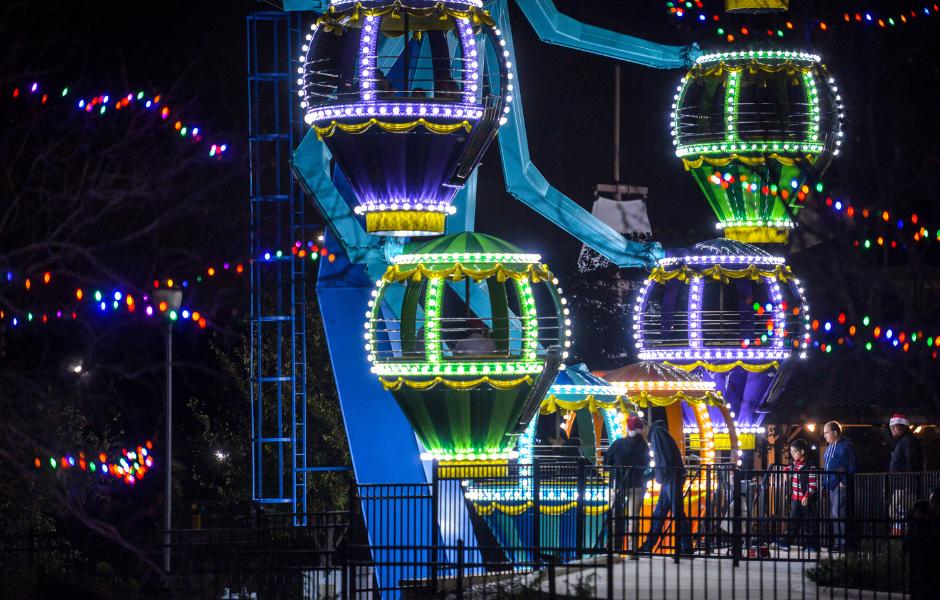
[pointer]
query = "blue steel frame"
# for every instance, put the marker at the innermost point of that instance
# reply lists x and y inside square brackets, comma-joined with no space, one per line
[278,368]
[382,444]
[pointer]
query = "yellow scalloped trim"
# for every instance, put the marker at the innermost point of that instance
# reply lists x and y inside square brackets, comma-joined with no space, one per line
[752,66]
[393,385]
[357,128]
[518,509]
[642,399]
[398,273]
[552,404]
[725,367]
[751,161]
[332,18]
[724,274]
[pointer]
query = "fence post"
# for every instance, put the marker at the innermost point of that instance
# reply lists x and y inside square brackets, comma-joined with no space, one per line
[349,568]
[551,577]
[610,570]
[536,511]
[435,551]
[579,515]
[459,569]
[736,519]
[708,522]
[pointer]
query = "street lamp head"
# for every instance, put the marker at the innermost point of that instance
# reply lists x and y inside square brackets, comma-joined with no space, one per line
[173,298]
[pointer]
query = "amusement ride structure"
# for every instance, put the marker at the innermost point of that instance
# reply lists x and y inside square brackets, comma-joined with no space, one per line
[447,349]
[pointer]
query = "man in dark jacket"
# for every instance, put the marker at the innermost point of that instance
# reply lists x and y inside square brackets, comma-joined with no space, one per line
[670,474]
[906,454]
[840,463]
[629,458]
[906,457]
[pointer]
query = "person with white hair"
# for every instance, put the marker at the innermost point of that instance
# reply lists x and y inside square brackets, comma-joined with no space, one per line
[906,457]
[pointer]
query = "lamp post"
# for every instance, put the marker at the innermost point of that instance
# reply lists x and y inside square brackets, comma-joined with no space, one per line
[173,299]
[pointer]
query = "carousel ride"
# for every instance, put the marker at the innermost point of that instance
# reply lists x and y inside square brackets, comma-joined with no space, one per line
[467,333]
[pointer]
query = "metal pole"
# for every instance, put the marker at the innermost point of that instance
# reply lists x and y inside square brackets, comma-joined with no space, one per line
[617,195]
[168,508]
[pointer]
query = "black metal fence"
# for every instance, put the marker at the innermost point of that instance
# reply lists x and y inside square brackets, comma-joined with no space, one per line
[545,530]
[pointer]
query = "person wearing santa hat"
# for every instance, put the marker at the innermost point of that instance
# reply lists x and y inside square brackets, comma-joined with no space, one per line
[906,455]
[629,458]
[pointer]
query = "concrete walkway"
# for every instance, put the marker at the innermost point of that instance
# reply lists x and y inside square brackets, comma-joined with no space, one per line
[655,578]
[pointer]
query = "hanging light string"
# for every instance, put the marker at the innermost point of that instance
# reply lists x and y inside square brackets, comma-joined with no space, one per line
[838,331]
[310,249]
[712,17]
[112,302]
[900,226]
[130,466]
[100,104]
[112,299]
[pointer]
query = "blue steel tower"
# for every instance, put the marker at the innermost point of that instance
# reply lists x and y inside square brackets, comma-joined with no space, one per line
[368,236]
[278,368]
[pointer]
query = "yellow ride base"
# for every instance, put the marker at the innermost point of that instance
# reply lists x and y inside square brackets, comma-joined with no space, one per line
[468,469]
[405,223]
[758,235]
[756,5]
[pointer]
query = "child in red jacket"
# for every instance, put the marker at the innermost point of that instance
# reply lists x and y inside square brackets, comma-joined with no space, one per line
[803,486]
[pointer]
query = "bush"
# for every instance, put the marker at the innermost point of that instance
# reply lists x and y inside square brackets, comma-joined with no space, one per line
[878,565]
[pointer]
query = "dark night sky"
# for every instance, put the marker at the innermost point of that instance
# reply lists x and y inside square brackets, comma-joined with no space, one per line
[885,78]
[567,95]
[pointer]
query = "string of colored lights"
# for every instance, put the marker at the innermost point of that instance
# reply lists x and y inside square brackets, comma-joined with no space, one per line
[114,301]
[713,17]
[99,105]
[120,299]
[130,465]
[913,225]
[837,332]
[310,249]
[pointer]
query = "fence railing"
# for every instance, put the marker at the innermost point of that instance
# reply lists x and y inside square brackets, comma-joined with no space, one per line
[558,529]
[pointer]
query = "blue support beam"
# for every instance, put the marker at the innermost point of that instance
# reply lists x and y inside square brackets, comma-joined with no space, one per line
[553,27]
[382,443]
[525,182]
[311,166]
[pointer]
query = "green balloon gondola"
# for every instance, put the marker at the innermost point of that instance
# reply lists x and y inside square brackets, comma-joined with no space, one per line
[756,128]
[468,376]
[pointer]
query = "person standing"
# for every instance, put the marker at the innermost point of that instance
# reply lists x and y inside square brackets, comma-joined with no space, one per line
[803,487]
[841,464]
[906,457]
[670,474]
[629,456]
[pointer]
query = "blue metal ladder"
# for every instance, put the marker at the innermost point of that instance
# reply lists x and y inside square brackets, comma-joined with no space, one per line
[278,296]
